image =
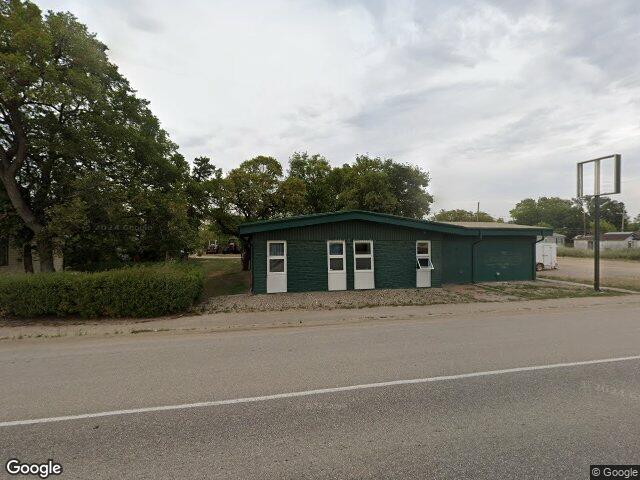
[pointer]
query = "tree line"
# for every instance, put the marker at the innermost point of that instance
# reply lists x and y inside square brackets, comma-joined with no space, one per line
[570,217]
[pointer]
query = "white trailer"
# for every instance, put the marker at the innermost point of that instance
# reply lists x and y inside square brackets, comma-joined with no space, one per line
[546,256]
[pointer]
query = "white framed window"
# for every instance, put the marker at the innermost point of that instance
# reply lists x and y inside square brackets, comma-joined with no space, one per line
[423,255]
[277,257]
[336,256]
[363,255]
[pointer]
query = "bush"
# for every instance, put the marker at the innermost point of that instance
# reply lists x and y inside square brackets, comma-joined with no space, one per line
[622,254]
[139,291]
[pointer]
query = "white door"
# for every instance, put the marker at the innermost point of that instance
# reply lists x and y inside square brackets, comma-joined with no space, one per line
[363,273]
[337,264]
[276,266]
[423,263]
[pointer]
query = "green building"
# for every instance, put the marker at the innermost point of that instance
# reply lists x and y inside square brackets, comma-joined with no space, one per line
[362,250]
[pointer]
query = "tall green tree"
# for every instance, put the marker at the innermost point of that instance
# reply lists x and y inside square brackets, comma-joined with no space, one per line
[460,215]
[67,117]
[564,216]
[383,186]
[613,211]
[320,186]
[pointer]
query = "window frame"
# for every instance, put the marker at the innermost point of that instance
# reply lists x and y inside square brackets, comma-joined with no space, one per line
[343,256]
[360,255]
[423,256]
[276,257]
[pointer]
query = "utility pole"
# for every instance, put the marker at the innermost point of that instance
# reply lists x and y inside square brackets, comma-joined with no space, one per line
[478,213]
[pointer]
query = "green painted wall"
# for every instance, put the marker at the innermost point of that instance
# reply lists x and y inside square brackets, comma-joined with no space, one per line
[494,258]
[504,258]
[393,254]
[456,255]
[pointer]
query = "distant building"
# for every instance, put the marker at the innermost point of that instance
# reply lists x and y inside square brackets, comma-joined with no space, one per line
[12,261]
[609,241]
[556,238]
[620,240]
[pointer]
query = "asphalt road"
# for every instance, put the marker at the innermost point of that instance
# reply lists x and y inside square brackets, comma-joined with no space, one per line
[548,423]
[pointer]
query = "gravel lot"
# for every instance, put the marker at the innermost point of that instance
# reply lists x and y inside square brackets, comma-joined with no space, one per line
[507,291]
[330,300]
[583,268]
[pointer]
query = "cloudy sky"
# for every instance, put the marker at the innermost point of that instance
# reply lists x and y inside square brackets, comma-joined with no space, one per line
[497,99]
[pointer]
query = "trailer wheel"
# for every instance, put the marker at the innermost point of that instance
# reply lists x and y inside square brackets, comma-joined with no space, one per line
[539,267]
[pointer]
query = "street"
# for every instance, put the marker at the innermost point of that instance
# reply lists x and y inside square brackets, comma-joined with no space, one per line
[540,393]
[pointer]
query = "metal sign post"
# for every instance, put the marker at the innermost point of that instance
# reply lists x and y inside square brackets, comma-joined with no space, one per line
[596,245]
[613,185]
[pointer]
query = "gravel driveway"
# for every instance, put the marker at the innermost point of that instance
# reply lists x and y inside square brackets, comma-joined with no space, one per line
[583,268]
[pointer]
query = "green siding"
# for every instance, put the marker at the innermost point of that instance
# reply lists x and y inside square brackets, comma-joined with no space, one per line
[259,266]
[306,266]
[501,259]
[494,258]
[393,254]
[456,253]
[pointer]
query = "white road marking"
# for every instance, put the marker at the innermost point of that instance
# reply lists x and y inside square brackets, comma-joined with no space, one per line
[319,391]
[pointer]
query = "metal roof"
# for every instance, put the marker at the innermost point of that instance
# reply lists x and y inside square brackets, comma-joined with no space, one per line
[492,225]
[464,228]
[619,235]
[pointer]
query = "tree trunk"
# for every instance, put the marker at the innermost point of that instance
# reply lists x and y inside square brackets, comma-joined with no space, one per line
[45,253]
[13,192]
[27,257]
[246,256]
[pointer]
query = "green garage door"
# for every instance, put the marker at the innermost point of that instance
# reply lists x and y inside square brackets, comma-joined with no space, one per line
[504,259]
[456,258]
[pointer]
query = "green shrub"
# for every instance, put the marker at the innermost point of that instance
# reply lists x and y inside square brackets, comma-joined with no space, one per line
[138,291]
[622,254]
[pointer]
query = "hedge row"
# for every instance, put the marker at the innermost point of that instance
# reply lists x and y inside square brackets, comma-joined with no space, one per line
[139,291]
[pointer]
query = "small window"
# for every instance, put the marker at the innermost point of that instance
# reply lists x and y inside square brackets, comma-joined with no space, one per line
[423,263]
[423,255]
[336,248]
[4,252]
[336,264]
[363,263]
[336,255]
[363,255]
[276,265]
[422,248]
[276,249]
[363,248]
[277,257]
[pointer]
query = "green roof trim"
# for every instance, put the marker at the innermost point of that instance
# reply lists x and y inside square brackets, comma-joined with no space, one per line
[468,229]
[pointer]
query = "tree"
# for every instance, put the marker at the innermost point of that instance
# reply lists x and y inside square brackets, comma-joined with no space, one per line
[67,119]
[612,211]
[460,215]
[564,216]
[315,172]
[383,186]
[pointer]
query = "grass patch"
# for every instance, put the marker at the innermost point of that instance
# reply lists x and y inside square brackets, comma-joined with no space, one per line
[626,283]
[632,254]
[536,291]
[223,276]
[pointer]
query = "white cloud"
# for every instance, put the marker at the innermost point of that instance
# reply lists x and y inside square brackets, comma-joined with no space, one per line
[497,99]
